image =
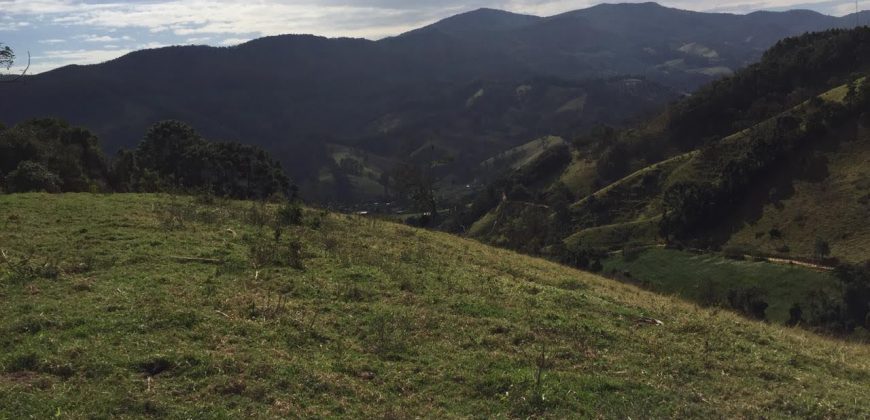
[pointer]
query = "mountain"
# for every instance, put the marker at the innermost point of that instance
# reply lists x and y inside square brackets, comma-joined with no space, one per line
[618,178]
[768,164]
[185,309]
[302,97]
[682,49]
[478,22]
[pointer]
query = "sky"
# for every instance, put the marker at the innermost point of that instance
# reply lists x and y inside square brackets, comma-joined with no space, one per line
[61,32]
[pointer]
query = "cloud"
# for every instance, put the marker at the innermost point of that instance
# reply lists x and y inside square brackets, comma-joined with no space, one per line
[102,38]
[13,26]
[52,59]
[198,40]
[92,28]
[234,41]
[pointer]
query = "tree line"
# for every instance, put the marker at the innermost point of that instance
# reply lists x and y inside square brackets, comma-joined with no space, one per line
[51,155]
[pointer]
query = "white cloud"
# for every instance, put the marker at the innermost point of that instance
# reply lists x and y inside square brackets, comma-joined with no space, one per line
[102,38]
[234,41]
[154,23]
[52,59]
[13,26]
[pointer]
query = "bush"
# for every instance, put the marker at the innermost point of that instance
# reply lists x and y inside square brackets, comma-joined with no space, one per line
[263,253]
[32,176]
[290,214]
[750,302]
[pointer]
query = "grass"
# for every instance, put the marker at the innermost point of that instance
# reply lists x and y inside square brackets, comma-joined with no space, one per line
[525,154]
[701,277]
[645,232]
[579,176]
[147,305]
[833,206]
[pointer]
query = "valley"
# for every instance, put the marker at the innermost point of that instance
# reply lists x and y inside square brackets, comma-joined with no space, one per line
[623,211]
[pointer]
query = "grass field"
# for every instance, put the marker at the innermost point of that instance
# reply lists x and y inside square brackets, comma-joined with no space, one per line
[143,305]
[693,276]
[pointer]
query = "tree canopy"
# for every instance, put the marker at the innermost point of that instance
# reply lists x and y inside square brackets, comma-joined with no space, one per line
[50,155]
[7,56]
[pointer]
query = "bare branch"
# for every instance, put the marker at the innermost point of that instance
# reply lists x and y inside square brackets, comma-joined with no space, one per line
[23,73]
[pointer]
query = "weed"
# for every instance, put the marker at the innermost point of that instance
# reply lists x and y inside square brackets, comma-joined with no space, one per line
[257,215]
[263,253]
[290,214]
[387,334]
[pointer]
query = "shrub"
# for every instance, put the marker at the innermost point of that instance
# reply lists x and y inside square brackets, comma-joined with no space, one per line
[750,302]
[290,214]
[32,176]
[284,253]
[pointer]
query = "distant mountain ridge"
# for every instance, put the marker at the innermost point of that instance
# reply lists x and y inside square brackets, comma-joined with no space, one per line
[294,94]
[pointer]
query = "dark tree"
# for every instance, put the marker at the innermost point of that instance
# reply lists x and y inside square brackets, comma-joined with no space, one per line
[7,56]
[72,154]
[821,249]
[795,315]
[32,176]
[417,185]
[166,148]
[856,294]
[174,154]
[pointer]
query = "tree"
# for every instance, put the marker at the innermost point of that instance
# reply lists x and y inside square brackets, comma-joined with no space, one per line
[750,302]
[417,185]
[174,154]
[72,154]
[7,56]
[821,249]
[856,294]
[686,206]
[32,176]
[165,147]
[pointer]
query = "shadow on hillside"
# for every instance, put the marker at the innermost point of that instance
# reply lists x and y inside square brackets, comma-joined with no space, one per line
[776,186]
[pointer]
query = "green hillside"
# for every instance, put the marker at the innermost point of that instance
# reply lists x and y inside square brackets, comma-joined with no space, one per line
[147,305]
[803,175]
[709,278]
[775,135]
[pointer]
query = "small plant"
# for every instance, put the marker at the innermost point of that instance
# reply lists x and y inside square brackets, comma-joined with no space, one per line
[290,214]
[171,217]
[17,271]
[257,215]
[263,253]
[205,196]
[387,334]
[24,269]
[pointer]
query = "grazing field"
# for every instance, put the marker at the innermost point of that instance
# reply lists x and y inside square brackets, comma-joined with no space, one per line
[701,277]
[150,305]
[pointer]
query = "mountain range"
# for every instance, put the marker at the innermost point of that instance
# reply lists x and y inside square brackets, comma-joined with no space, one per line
[468,87]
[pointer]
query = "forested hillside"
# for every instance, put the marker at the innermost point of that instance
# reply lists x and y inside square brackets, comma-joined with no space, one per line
[787,183]
[470,87]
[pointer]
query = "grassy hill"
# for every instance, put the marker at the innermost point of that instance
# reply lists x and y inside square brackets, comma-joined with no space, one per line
[147,305]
